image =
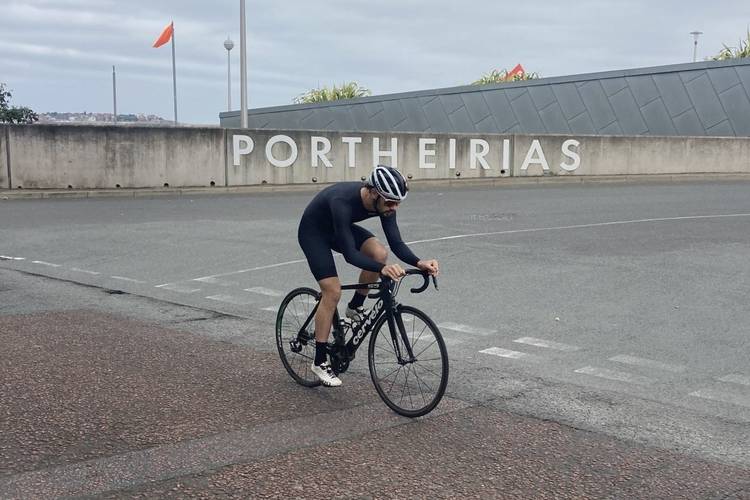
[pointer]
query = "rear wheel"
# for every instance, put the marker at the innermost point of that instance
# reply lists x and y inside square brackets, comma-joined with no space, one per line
[409,386]
[297,346]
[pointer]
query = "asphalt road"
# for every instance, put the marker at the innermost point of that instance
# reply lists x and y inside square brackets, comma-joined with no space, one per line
[618,309]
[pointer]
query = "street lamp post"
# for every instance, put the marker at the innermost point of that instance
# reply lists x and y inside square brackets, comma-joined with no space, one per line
[695,34]
[243,68]
[229,45]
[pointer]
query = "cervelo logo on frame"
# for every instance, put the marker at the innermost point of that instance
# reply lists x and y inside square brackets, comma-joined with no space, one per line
[479,149]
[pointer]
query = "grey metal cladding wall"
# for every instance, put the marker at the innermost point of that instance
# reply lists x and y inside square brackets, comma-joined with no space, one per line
[710,98]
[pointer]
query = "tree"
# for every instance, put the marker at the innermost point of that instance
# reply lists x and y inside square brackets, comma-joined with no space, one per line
[350,90]
[14,114]
[502,76]
[742,50]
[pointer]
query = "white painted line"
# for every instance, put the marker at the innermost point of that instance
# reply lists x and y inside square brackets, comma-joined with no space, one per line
[273,309]
[736,378]
[18,258]
[466,328]
[577,226]
[253,269]
[231,299]
[123,278]
[93,273]
[264,291]
[614,375]
[546,344]
[505,353]
[177,288]
[724,397]
[648,363]
[41,262]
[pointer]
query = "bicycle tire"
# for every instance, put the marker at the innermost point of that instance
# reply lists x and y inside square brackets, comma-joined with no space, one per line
[294,310]
[384,364]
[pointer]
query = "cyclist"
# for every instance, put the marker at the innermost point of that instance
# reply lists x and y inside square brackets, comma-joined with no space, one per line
[328,223]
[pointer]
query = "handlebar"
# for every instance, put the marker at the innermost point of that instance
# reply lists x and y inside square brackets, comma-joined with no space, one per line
[385,282]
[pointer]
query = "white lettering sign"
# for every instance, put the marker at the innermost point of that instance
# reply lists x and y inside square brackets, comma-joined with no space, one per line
[269,151]
[540,160]
[352,142]
[377,154]
[424,152]
[474,155]
[320,154]
[573,155]
[430,152]
[241,145]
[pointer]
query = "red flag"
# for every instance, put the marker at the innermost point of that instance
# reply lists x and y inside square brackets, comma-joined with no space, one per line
[165,36]
[518,70]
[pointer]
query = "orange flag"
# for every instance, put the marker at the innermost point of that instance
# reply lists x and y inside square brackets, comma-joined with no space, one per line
[165,36]
[518,70]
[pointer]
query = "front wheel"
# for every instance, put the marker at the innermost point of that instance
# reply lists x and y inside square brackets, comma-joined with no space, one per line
[410,386]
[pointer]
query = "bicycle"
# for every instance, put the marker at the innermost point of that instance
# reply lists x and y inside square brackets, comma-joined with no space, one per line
[411,350]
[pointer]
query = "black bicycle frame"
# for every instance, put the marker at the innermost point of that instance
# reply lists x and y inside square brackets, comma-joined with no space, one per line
[385,305]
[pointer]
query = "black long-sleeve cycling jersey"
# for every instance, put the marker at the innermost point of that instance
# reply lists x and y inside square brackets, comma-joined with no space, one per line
[334,210]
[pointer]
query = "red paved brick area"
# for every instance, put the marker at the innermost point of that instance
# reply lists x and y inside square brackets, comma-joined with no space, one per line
[81,386]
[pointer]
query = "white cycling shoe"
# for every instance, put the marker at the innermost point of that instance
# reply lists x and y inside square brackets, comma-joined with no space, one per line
[325,373]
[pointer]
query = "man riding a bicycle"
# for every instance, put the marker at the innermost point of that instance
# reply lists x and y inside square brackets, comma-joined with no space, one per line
[328,223]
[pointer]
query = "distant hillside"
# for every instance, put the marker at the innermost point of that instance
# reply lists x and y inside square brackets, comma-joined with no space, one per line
[85,117]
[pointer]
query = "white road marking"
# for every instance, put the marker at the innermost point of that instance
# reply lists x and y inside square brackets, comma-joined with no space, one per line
[577,226]
[123,278]
[231,299]
[648,363]
[547,344]
[614,375]
[273,309]
[724,397]
[93,273]
[505,353]
[259,268]
[496,233]
[178,288]
[736,378]
[208,279]
[8,257]
[41,262]
[466,328]
[264,291]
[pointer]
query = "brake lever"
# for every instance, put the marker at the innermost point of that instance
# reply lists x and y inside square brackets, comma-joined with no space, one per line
[434,282]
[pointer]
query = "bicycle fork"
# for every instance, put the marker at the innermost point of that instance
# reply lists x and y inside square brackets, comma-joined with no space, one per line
[397,328]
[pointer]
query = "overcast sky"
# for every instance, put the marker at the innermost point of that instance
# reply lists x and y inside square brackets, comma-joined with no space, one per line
[57,55]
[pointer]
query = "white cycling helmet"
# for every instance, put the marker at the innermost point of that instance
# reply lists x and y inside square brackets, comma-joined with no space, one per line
[389,183]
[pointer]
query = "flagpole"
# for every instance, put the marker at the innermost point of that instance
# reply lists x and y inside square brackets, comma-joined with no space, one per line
[114,94]
[174,78]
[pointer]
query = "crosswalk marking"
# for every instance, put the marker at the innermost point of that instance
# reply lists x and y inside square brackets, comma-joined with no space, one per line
[614,375]
[41,262]
[264,291]
[648,363]
[546,344]
[466,328]
[736,378]
[724,397]
[505,353]
[231,299]
[178,288]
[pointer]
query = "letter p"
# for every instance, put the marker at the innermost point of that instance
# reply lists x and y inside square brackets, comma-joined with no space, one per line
[241,145]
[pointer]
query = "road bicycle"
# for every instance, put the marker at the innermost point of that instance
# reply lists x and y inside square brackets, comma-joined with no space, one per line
[407,357]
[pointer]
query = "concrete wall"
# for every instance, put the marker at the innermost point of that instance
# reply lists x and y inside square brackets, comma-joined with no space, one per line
[611,155]
[4,180]
[53,156]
